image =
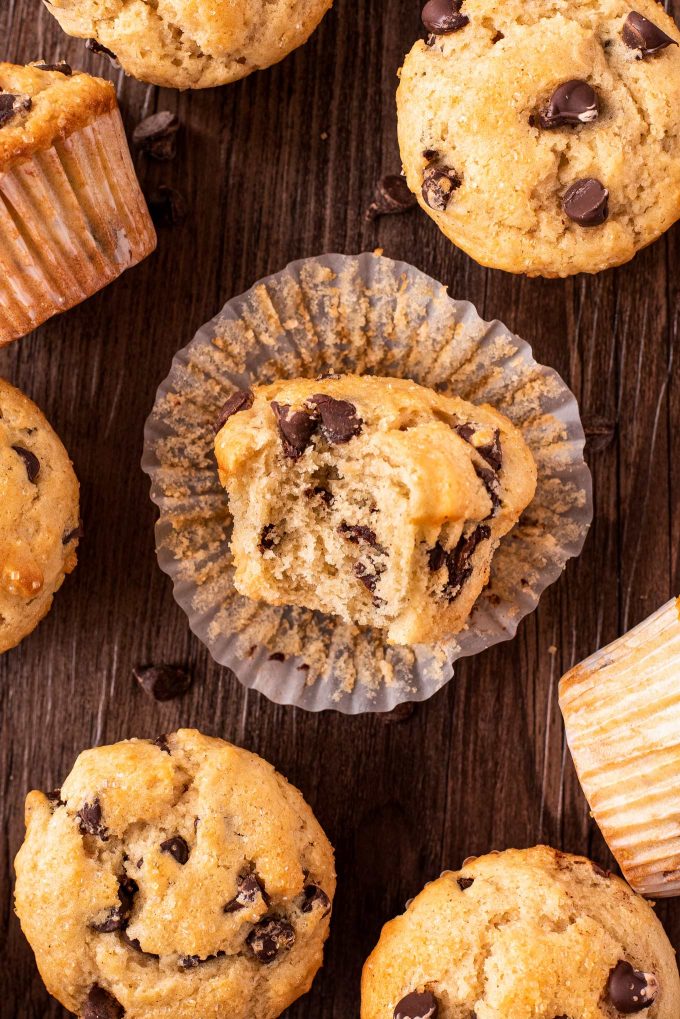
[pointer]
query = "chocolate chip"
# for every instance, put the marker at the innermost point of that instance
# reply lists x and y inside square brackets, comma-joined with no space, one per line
[269,937]
[118,918]
[574,102]
[167,206]
[357,533]
[643,35]
[177,848]
[339,418]
[417,1005]
[440,17]
[96,47]
[99,1004]
[77,533]
[315,898]
[491,451]
[242,399]
[465,882]
[296,428]
[439,183]
[162,743]
[90,818]
[490,481]
[437,557]
[31,462]
[458,561]
[135,945]
[249,891]
[11,104]
[629,990]
[157,135]
[62,67]
[162,682]
[322,493]
[368,575]
[392,195]
[267,538]
[55,799]
[587,202]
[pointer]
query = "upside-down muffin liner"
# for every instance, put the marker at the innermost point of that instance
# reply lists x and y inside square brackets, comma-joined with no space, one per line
[72,219]
[621,709]
[360,314]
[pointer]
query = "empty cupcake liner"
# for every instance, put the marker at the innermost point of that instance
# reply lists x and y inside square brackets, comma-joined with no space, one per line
[621,709]
[72,219]
[363,314]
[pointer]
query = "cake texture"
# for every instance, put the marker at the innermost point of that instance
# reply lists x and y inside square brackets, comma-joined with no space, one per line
[192,43]
[179,878]
[621,710]
[72,216]
[521,935]
[541,136]
[373,499]
[39,521]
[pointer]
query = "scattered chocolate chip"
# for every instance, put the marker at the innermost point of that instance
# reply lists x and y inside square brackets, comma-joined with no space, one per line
[440,17]
[77,533]
[96,47]
[643,35]
[315,898]
[437,557]
[269,937]
[62,67]
[55,799]
[629,990]
[490,481]
[491,451]
[458,562]
[417,1005]
[162,682]
[430,155]
[11,104]
[162,743]
[321,492]
[177,848]
[465,882]
[587,202]
[242,399]
[31,462]
[157,135]
[99,1004]
[119,916]
[192,961]
[90,818]
[439,183]
[339,418]
[574,102]
[167,206]
[357,533]
[296,428]
[392,195]
[267,538]
[249,890]
[368,575]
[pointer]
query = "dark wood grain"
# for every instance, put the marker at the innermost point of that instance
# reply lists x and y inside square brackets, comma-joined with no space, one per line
[279,167]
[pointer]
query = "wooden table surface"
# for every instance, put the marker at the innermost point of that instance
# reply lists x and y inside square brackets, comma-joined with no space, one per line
[278,167]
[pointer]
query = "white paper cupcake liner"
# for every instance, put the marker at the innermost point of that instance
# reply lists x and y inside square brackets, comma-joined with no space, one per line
[621,709]
[367,315]
[72,219]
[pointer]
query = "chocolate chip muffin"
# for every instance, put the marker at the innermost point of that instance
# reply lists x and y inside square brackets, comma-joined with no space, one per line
[39,523]
[191,43]
[72,215]
[525,934]
[373,499]
[542,137]
[179,878]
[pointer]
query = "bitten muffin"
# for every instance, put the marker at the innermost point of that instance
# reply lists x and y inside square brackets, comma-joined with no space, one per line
[72,216]
[179,878]
[621,710]
[542,137]
[39,521]
[373,499]
[521,935]
[192,43]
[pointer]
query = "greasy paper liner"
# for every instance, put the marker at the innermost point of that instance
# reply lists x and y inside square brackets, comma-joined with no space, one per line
[621,710]
[368,315]
[72,219]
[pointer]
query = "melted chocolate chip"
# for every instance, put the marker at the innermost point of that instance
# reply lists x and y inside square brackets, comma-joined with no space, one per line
[392,195]
[157,135]
[31,462]
[322,493]
[641,34]
[629,990]
[167,206]
[267,538]
[296,428]
[162,682]
[357,533]
[11,104]
[135,945]
[192,961]
[574,102]
[77,533]
[490,481]
[368,575]
[177,848]
[441,17]
[96,47]
[269,937]
[339,418]
[458,562]
[314,897]
[465,882]
[439,183]
[162,743]
[242,399]
[491,451]
[62,67]
[99,1004]
[90,818]
[417,1005]
[118,918]
[586,202]
[55,799]
[249,891]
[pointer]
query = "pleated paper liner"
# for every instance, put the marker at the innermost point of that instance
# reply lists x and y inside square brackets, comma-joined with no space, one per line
[621,708]
[360,314]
